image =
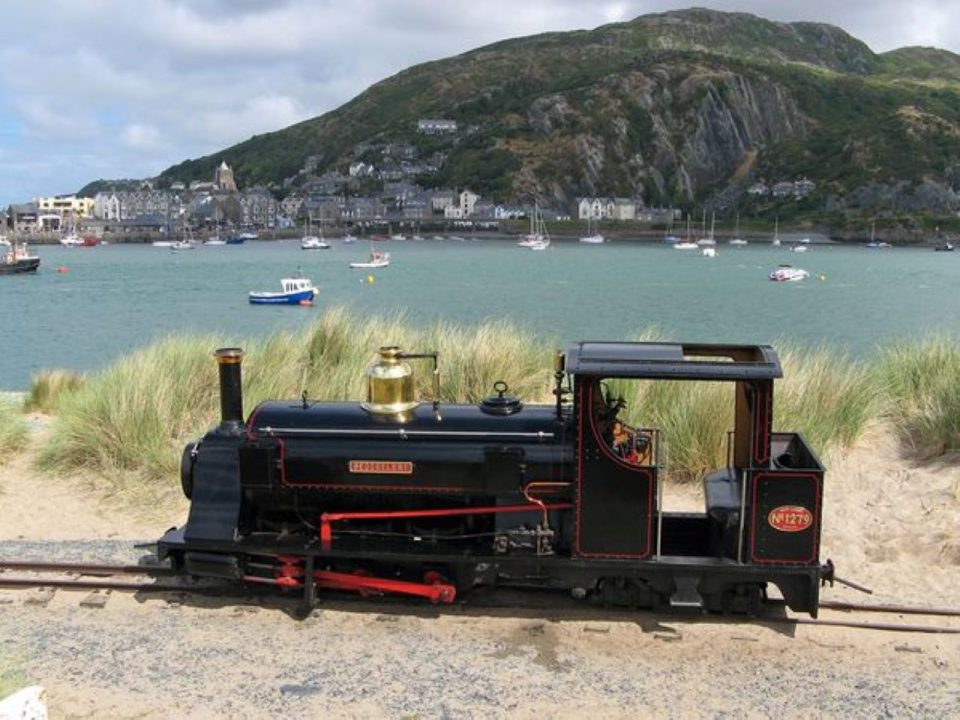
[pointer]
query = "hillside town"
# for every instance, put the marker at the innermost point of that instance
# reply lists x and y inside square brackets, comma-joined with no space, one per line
[379,189]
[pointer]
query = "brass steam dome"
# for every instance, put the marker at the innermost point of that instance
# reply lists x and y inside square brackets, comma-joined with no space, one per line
[390,388]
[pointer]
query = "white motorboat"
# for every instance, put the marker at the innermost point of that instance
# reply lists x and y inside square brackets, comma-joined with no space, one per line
[709,251]
[540,244]
[799,248]
[875,244]
[348,238]
[162,243]
[738,241]
[685,246]
[312,242]
[788,273]
[216,240]
[378,259]
[183,245]
[71,240]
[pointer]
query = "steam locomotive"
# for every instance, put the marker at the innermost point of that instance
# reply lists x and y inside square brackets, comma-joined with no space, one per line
[402,496]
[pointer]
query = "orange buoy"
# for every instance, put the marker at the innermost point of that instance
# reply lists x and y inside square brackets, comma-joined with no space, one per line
[307,303]
[63,269]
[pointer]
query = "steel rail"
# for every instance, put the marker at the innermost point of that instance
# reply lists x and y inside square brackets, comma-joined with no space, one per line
[842,605]
[86,568]
[20,583]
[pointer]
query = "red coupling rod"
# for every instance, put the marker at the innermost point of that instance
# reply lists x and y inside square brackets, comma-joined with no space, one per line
[433,588]
[435,591]
[326,531]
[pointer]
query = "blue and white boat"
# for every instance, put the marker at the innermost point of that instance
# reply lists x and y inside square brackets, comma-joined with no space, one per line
[295,291]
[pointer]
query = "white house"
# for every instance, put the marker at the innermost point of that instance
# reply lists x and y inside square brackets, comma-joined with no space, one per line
[431,126]
[467,202]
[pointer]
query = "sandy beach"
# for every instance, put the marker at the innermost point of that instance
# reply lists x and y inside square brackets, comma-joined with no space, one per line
[889,524]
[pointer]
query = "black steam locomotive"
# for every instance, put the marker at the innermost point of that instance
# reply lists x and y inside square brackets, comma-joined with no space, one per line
[399,496]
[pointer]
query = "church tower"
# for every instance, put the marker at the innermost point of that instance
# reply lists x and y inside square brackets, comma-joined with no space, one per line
[224,178]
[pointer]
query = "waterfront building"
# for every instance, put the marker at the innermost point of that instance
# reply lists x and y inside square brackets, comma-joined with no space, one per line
[442,199]
[758,190]
[468,200]
[66,206]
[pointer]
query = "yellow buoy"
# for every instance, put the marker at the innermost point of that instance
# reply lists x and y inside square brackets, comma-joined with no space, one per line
[371,279]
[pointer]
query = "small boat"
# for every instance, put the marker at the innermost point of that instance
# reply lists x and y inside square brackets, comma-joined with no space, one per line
[799,248]
[16,259]
[90,241]
[295,291]
[709,239]
[183,245]
[776,232]
[737,240]
[709,252]
[538,231]
[312,242]
[162,243]
[348,238]
[685,246]
[946,247]
[875,244]
[592,238]
[215,241]
[788,273]
[378,259]
[71,240]
[398,236]
[539,244]
[242,237]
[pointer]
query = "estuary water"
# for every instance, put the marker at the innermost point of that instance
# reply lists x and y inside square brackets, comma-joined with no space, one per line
[116,298]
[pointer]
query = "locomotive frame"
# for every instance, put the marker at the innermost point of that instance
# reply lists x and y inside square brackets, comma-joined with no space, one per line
[432,501]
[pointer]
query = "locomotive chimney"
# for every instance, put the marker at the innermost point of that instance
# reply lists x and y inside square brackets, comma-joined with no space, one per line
[231,392]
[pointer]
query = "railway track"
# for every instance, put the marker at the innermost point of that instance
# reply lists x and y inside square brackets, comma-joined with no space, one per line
[94,576]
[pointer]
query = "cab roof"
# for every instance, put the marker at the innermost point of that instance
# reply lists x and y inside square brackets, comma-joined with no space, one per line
[676,361]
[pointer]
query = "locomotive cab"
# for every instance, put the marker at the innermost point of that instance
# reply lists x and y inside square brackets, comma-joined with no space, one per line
[762,509]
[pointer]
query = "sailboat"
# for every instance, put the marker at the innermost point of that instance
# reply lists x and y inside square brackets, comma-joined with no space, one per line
[687,243]
[311,241]
[736,239]
[776,231]
[592,238]
[536,236]
[708,239]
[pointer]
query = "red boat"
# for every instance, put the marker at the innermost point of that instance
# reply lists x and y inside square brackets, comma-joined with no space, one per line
[90,241]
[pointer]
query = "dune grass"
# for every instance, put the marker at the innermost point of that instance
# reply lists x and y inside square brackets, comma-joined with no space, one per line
[13,430]
[132,419]
[921,382]
[48,388]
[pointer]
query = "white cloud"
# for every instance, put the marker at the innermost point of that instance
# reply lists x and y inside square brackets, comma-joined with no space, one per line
[113,88]
[141,137]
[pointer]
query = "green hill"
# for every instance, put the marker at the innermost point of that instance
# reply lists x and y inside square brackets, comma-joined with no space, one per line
[674,107]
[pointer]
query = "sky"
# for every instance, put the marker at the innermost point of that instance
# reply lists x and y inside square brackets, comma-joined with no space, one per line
[125,88]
